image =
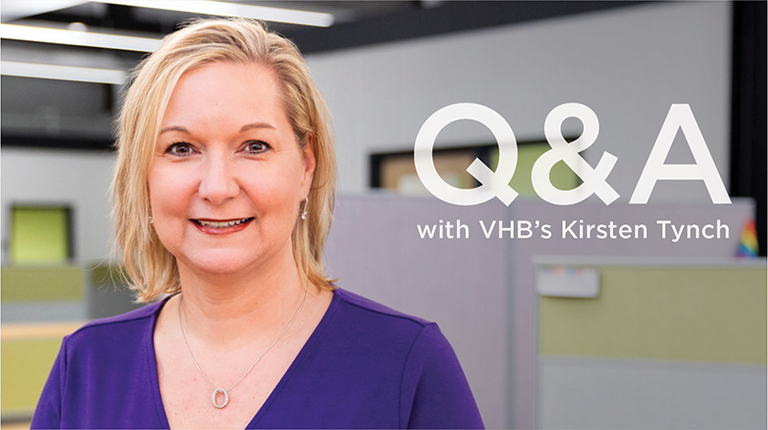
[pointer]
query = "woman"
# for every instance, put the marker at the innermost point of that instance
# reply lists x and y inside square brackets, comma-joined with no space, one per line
[223,195]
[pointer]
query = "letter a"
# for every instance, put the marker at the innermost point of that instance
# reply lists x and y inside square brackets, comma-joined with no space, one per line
[680,116]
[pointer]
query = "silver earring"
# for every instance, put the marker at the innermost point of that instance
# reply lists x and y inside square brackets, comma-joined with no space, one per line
[304,211]
[151,221]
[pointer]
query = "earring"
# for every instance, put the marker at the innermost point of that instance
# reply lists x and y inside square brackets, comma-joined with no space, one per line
[304,211]
[151,221]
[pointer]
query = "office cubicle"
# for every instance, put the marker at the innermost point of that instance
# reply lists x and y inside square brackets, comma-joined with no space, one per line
[481,290]
[665,343]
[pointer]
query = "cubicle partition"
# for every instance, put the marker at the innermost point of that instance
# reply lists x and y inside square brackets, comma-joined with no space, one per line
[666,343]
[524,311]
[462,284]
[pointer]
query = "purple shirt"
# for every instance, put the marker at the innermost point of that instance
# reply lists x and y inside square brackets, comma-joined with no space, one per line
[365,366]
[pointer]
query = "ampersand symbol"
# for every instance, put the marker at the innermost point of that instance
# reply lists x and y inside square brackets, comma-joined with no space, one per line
[594,180]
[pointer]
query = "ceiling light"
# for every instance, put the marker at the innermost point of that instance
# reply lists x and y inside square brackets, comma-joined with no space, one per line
[220,8]
[77,38]
[64,73]
[77,26]
[16,9]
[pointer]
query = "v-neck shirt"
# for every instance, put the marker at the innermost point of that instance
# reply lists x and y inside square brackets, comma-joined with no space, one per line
[364,366]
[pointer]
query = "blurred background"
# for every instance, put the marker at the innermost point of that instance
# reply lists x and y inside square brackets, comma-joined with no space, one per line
[552,333]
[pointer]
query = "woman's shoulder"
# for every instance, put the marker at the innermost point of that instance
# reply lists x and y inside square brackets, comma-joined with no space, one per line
[357,306]
[92,361]
[371,323]
[120,328]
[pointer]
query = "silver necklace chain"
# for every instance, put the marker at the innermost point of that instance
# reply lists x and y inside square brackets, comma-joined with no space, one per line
[225,393]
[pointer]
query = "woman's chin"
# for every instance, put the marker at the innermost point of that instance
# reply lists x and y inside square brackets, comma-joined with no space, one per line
[220,263]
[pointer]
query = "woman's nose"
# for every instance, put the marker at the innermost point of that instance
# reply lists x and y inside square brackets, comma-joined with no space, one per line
[218,182]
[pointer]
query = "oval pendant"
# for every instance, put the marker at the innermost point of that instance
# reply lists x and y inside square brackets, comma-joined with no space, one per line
[223,403]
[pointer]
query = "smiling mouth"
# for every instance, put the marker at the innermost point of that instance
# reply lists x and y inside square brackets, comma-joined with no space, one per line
[221,224]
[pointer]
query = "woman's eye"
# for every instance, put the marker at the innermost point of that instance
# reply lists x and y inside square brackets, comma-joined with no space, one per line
[256,147]
[180,149]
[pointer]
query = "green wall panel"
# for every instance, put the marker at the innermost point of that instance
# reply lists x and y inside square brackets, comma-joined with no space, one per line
[41,283]
[26,364]
[104,274]
[686,314]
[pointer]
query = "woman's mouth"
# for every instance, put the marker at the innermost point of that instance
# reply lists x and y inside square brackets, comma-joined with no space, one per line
[221,226]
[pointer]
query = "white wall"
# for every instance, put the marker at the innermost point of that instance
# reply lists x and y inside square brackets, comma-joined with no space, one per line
[628,65]
[79,179]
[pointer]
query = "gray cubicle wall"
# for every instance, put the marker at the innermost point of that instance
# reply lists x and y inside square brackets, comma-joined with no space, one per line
[461,284]
[480,290]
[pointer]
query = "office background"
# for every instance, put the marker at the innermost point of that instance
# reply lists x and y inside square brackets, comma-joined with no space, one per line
[384,68]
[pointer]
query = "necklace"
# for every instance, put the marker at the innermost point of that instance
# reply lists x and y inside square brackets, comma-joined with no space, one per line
[225,393]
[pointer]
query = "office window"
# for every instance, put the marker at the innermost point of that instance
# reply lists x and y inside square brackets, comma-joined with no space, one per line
[395,171]
[561,176]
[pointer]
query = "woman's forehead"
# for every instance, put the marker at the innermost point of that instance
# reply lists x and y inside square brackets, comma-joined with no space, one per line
[227,80]
[225,92]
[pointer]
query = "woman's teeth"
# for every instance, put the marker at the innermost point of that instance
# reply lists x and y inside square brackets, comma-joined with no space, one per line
[222,224]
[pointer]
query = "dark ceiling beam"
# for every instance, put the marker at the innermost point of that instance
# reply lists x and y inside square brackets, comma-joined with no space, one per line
[61,142]
[403,24]
[118,17]
[451,16]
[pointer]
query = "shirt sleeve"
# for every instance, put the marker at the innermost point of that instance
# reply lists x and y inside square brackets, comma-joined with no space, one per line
[48,411]
[434,391]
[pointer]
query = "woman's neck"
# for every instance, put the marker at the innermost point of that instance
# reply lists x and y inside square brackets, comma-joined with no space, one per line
[225,309]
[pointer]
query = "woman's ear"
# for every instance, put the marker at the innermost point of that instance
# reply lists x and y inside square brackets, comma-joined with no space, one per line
[309,163]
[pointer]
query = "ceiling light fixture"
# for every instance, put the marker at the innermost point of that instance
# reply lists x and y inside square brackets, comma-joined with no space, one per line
[64,73]
[221,8]
[77,38]
[17,9]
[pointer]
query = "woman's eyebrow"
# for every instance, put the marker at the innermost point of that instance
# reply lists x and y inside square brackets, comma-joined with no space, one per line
[256,125]
[174,128]
[242,129]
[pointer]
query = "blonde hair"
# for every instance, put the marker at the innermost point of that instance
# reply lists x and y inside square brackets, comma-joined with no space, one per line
[150,269]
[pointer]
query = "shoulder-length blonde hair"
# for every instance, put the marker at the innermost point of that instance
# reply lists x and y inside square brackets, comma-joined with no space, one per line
[150,268]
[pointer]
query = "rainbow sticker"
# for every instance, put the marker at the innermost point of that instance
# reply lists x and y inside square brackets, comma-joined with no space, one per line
[748,241]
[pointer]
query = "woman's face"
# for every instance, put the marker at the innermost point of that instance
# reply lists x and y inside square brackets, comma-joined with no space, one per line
[228,177]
